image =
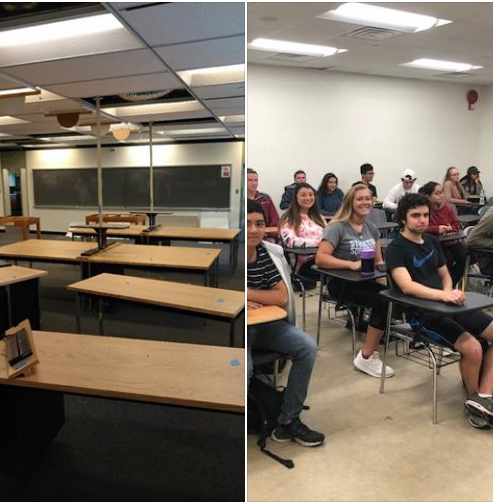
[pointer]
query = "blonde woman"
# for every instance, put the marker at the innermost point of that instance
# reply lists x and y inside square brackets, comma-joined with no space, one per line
[347,234]
[452,189]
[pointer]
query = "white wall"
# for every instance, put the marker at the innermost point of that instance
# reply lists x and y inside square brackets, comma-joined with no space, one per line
[320,121]
[485,105]
[174,155]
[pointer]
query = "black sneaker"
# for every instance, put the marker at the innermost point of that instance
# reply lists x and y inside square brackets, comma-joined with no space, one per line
[298,432]
[480,406]
[478,421]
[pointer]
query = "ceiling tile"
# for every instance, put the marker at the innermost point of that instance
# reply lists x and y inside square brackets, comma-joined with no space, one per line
[220,91]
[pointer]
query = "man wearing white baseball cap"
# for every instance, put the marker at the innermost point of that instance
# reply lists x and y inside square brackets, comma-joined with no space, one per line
[406,186]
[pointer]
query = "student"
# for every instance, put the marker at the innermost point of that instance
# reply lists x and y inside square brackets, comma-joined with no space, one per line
[406,186]
[481,236]
[268,284]
[299,177]
[452,189]
[302,224]
[442,220]
[347,234]
[367,174]
[418,268]
[329,195]
[471,183]
[263,199]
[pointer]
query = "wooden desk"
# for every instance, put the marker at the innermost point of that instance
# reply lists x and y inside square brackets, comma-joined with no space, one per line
[19,296]
[265,315]
[132,219]
[213,302]
[188,375]
[23,222]
[202,260]
[132,232]
[44,250]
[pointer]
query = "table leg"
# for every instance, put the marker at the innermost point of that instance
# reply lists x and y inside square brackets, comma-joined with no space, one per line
[25,228]
[320,297]
[38,230]
[77,312]
[9,305]
[100,316]
[232,332]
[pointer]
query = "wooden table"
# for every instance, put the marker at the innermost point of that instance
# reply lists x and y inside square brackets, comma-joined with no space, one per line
[23,222]
[214,303]
[132,219]
[196,234]
[19,296]
[188,375]
[265,315]
[204,261]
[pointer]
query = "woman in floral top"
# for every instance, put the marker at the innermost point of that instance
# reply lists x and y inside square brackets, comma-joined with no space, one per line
[302,226]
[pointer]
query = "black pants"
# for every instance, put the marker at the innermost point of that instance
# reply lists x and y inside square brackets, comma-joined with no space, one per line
[456,260]
[363,293]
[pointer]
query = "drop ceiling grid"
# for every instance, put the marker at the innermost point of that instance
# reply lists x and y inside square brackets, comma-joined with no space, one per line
[174,23]
[220,90]
[86,68]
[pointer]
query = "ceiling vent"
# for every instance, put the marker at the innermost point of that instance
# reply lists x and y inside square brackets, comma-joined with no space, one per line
[372,33]
[294,58]
[455,75]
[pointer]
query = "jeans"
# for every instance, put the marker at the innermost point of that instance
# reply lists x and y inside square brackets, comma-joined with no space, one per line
[300,347]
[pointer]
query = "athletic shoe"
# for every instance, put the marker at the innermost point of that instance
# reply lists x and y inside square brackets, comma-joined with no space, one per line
[478,421]
[480,406]
[372,366]
[298,432]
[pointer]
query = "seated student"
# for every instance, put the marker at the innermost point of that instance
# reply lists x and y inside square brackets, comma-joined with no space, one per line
[269,284]
[329,195]
[367,174]
[299,177]
[406,186]
[347,234]
[418,268]
[442,220]
[481,236]
[452,189]
[303,226]
[471,183]
[263,199]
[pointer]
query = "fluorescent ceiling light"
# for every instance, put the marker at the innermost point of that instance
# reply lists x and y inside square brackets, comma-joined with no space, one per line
[214,75]
[268,44]
[7,120]
[59,30]
[154,108]
[67,138]
[176,132]
[439,65]
[20,90]
[232,118]
[382,17]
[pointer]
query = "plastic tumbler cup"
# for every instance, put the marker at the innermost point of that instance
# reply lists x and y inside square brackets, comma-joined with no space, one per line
[367,257]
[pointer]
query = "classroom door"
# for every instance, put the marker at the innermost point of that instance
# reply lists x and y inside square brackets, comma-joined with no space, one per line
[15,194]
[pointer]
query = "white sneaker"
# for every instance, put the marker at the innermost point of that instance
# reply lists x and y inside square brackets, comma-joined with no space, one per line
[372,366]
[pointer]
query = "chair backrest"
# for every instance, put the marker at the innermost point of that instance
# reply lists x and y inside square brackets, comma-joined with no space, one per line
[377,216]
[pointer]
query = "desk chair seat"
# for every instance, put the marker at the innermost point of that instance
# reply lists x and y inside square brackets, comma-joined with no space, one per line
[269,362]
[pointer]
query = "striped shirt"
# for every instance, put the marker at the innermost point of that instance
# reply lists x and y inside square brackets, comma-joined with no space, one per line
[262,274]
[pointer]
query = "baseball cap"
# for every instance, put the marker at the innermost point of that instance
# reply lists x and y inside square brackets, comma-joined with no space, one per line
[408,175]
[473,171]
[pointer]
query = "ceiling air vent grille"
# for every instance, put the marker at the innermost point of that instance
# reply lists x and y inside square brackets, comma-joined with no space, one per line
[294,58]
[372,33]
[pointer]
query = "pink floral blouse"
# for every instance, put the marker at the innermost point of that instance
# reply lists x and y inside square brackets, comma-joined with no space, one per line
[310,234]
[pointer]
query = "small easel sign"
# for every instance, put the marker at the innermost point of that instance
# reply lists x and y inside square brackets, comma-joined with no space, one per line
[20,350]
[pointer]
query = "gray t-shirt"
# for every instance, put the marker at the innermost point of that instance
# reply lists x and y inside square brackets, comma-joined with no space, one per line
[347,242]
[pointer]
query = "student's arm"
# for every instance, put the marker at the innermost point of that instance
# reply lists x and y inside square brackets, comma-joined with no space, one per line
[445,278]
[389,203]
[286,199]
[404,281]
[326,259]
[272,215]
[276,296]
[447,190]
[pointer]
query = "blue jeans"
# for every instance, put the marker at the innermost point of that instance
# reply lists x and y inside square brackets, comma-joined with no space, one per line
[286,338]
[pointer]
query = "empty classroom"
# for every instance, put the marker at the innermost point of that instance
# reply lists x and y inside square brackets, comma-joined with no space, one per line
[329,91]
[123,122]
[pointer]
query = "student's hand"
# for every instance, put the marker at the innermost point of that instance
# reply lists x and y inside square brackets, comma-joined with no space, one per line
[442,229]
[355,265]
[253,305]
[454,297]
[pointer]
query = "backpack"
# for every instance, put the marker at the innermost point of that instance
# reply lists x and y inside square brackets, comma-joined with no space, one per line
[263,408]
